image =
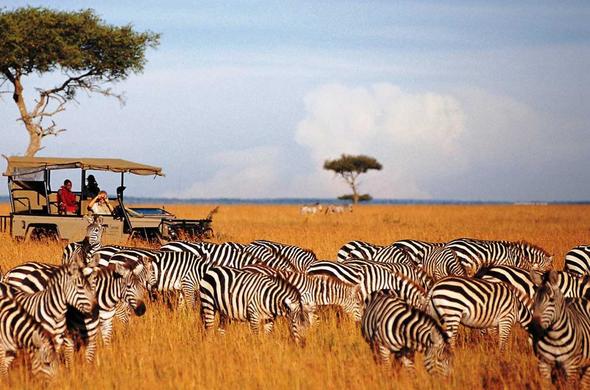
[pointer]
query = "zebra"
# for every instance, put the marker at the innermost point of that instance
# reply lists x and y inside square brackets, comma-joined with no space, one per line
[357,250]
[439,262]
[252,297]
[20,331]
[477,304]
[569,285]
[114,284]
[390,326]
[561,331]
[120,282]
[180,272]
[327,292]
[311,209]
[299,258]
[391,254]
[345,273]
[414,249]
[227,254]
[474,254]
[577,260]
[68,285]
[90,244]
[269,258]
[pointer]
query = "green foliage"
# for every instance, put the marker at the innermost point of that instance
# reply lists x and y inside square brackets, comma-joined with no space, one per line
[40,40]
[352,164]
[361,198]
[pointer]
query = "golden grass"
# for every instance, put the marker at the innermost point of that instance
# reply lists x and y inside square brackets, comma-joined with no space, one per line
[168,349]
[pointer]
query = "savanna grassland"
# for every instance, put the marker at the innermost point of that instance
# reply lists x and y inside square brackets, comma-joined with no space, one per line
[168,349]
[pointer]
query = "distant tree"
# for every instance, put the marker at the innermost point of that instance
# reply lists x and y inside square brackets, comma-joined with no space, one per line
[349,168]
[87,52]
[362,198]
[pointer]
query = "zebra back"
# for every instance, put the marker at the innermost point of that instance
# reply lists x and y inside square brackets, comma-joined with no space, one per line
[414,249]
[577,261]
[299,258]
[439,262]
[357,250]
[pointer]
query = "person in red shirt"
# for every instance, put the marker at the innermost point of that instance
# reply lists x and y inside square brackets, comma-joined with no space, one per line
[66,199]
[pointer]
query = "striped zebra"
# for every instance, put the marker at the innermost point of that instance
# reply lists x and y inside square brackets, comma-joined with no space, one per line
[577,261]
[438,262]
[390,326]
[20,331]
[299,258]
[569,285]
[90,244]
[474,254]
[416,275]
[252,297]
[344,273]
[68,285]
[415,249]
[269,258]
[327,292]
[391,254]
[112,285]
[180,272]
[357,250]
[561,332]
[477,304]
[228,254]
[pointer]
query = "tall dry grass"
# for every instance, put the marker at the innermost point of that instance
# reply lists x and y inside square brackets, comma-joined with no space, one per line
[168,349]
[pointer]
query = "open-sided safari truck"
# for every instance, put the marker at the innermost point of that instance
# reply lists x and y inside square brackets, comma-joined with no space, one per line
[35,212]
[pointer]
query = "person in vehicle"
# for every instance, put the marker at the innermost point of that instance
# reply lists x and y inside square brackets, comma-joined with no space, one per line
[92,188]
[100,205]
[66,199]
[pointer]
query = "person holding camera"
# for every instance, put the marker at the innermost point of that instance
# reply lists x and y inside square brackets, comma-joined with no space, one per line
[100,205]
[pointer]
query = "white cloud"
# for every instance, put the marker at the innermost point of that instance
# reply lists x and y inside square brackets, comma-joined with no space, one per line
[247,173]
[412,135]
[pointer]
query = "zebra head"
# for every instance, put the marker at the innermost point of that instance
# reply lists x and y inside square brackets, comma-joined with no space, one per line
[43,355]
[354,302]
[548,303]
[78,289]
[299,315]
[438,355]
[134,285]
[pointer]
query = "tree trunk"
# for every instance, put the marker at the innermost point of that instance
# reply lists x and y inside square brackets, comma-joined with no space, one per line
[355,193]
[35,134]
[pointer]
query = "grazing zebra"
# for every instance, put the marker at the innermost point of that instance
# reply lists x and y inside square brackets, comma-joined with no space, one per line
[569,285]
[90,244]
[392,254]
[357,250]
[577,261]
[299,258]
[180,272]
[269,257]
[415,249]
[477,304]
[311,209]
[344,273]
[228,254]
[326,292]
[474,254]
[20,331]
[390,326]
[68,285]
[252,297]
[561,331]
[439,262]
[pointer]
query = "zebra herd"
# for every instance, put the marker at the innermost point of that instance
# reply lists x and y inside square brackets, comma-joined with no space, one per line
[410,296]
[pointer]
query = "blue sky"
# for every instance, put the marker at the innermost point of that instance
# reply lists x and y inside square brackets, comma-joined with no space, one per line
[458,100]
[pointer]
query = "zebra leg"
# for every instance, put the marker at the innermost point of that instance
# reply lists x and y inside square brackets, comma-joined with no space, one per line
[452,326]
[106,325]
[504,328]
[407,360]
[92,329]
[253,319]
[188,291]
[545,369]
[585,381]
[381,353]
[269,327]
[68,350]
[572,371]
[4,362]
[207,314]
[222,323]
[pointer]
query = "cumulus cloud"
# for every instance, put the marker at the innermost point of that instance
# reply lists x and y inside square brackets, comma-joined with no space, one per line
[414,135]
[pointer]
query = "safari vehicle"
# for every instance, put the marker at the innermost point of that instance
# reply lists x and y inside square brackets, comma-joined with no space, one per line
[35,212]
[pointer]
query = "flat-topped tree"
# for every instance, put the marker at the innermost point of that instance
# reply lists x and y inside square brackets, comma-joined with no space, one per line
[349,168]
[89,53]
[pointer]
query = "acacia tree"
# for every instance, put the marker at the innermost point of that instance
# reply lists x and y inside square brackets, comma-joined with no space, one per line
[87,52]
[349,168]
